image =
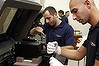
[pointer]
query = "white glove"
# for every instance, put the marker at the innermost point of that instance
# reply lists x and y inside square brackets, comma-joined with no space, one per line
[54,62]
[52,47]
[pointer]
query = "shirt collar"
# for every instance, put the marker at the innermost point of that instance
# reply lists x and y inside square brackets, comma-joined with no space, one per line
[61,25]
[92,28]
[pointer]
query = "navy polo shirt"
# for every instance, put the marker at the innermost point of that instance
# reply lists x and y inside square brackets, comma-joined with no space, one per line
[63,34]
[92,45]
[64,19]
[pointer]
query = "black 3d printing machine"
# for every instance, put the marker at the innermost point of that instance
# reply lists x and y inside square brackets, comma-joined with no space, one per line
[16,20]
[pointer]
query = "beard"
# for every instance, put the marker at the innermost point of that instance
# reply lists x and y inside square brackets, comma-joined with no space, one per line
[52,24]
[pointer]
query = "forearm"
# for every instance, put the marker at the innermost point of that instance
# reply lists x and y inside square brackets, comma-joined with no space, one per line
[72,54]
[69,47]
[68,53]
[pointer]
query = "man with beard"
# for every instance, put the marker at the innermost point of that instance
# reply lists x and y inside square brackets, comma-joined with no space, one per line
[55,30]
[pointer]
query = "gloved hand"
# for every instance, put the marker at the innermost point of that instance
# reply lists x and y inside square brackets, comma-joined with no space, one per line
[52,47]
[54,62]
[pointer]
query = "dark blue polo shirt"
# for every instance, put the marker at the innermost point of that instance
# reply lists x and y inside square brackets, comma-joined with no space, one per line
[64,19]
[92,45]
[63,34]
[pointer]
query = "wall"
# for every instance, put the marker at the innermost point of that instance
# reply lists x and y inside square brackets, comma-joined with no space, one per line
[58,4]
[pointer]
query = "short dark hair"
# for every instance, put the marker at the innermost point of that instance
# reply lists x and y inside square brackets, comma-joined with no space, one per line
[66,11]
[51,10]
[61,11]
